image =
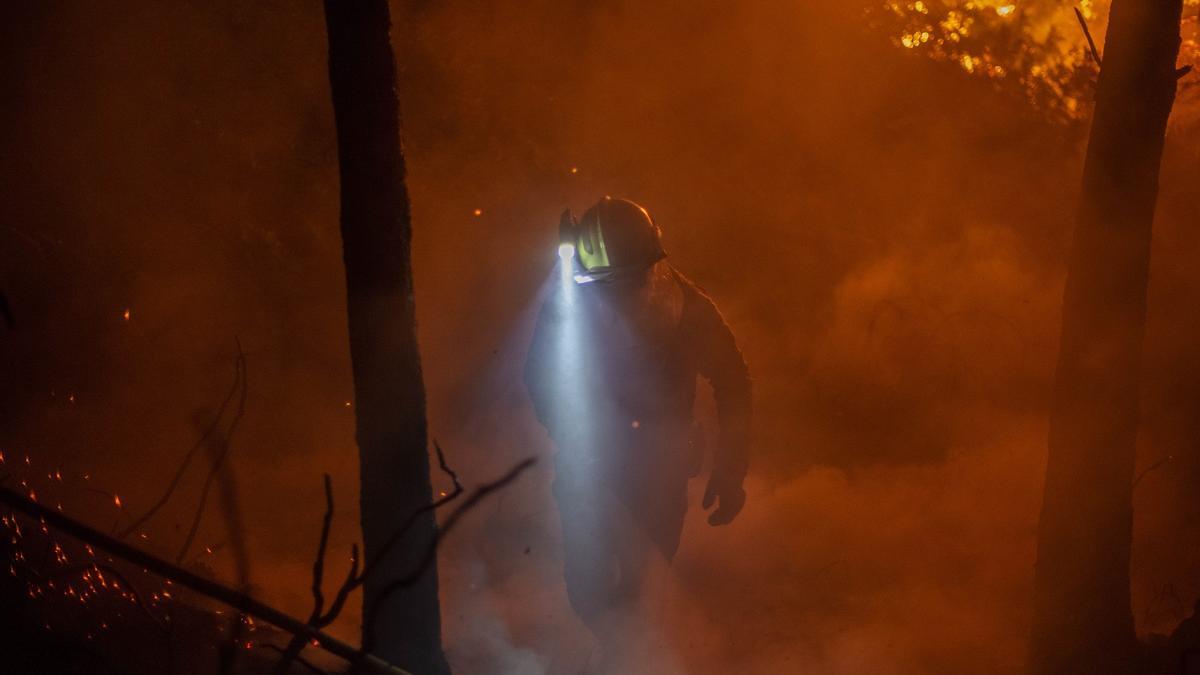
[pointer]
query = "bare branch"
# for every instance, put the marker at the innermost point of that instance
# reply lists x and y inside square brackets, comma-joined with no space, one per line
[412,519]
[219,461]
[354,580]
[480,493]
[319,563]
[236,599]
[1152,467]
[296,645]
[1088,34]
[191,453]
[441,457]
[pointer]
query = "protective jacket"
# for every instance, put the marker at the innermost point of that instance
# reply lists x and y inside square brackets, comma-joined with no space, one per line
[612,376]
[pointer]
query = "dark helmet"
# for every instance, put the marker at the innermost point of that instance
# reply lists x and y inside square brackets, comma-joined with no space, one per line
[614,238]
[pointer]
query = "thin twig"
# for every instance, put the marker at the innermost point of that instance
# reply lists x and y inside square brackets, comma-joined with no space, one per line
[446,499]
[296,645]
[191,453]
[353,579]
[1150,468]
[356,580]
[195,582]
[319,563]
[1088,34]
[431,550]
[219,461]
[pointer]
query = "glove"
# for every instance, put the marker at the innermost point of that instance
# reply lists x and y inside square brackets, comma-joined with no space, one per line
[729,496]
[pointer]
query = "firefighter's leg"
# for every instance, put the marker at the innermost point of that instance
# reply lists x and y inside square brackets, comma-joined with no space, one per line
[591,557]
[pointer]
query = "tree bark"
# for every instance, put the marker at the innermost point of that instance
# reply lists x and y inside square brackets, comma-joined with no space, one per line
[1082,620]
[389,393]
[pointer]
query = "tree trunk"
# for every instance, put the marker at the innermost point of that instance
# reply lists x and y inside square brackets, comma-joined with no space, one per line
[388,388]
[1082,617]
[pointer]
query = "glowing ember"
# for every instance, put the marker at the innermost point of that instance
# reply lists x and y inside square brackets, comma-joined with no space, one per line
[125,315]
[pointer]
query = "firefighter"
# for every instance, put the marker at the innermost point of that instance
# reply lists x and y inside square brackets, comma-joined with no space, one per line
[612,373]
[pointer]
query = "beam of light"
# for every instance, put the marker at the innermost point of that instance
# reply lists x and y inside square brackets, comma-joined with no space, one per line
[570,356]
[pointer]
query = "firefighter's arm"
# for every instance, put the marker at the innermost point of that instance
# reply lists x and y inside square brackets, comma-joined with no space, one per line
[720,361]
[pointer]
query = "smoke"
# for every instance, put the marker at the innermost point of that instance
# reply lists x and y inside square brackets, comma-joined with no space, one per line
[885,234]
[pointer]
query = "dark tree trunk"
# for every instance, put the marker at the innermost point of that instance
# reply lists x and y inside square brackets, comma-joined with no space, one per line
[388,389]
[1082,616]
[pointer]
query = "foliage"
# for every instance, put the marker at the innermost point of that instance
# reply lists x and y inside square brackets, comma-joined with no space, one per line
[1035,49]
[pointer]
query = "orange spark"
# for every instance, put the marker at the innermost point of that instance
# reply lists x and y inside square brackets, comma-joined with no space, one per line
[478,212]
[126,314]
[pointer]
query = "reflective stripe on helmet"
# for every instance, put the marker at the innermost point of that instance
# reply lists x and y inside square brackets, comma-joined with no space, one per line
[593,253]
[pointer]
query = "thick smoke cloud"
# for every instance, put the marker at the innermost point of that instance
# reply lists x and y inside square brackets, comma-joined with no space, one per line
[885,234]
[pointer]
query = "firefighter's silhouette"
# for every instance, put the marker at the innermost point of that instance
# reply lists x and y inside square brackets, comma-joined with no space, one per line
[612,373]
